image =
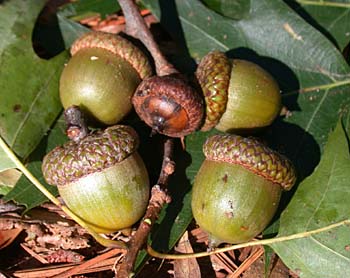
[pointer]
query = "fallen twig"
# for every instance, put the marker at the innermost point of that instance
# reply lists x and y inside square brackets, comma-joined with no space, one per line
[159,197]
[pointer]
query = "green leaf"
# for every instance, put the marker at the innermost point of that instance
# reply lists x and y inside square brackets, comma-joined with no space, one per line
[71,30]
[29,100]
[5,162]
[320,200]
[346,123]
[5,189]
[81,9]
[24,192]
[235,9]
[69,14]
[268,256]
[329,17]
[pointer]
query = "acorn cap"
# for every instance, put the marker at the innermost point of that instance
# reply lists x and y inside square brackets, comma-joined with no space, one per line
[117,45]
[213,74]
[252,155]
[94,153]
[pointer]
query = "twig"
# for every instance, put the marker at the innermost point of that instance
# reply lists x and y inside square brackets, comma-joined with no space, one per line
[159,197]
[77,128]
[136,27]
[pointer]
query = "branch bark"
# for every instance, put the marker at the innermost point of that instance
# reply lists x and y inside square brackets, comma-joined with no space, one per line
[136,27]
[159,198]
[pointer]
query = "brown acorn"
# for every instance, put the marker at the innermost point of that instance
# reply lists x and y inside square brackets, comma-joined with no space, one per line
[238,94]
[102,75]
[169,104]
[101,178]
[237,189]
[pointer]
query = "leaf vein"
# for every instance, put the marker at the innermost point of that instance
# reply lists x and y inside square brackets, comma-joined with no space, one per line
[204,33]
[329,249]
[323,195]
[31,108]
[338,18]
[317,109]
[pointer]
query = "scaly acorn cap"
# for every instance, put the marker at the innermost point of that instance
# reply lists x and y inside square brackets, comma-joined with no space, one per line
[213,74]
[117,45]
[94,153]
[253,156]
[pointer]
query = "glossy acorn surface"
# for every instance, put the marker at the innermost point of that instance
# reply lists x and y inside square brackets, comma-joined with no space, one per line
[237,189]
[239,94]
[102,75]
[169,105]
[101,178]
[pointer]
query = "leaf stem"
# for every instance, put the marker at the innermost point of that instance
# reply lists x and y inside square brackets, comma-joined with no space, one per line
[53,199]
[270,241]
[28,174]
[324,3]
[319,87]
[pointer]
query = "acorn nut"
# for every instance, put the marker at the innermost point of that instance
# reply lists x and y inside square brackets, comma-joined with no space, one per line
[237,189]
[102,75]
[169,104]
[238,94]
[101,178]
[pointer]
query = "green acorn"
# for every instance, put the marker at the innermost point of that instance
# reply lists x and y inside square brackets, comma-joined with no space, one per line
[102,75]
[238,94]
[237,189]
[101,178]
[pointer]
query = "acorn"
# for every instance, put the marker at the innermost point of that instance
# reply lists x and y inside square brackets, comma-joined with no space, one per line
[239,95]
[102,75]
[169,104]
[237,189]
[101,178]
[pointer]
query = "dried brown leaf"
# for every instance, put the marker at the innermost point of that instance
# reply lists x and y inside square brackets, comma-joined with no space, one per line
[223,262]
[255,253]
[9,177]
[186,267]
[8,236]
[64,256]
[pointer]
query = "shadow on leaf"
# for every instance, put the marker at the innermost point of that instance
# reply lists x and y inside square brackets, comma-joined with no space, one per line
[299,146]
[177,215]
[284,76]
[170,19]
